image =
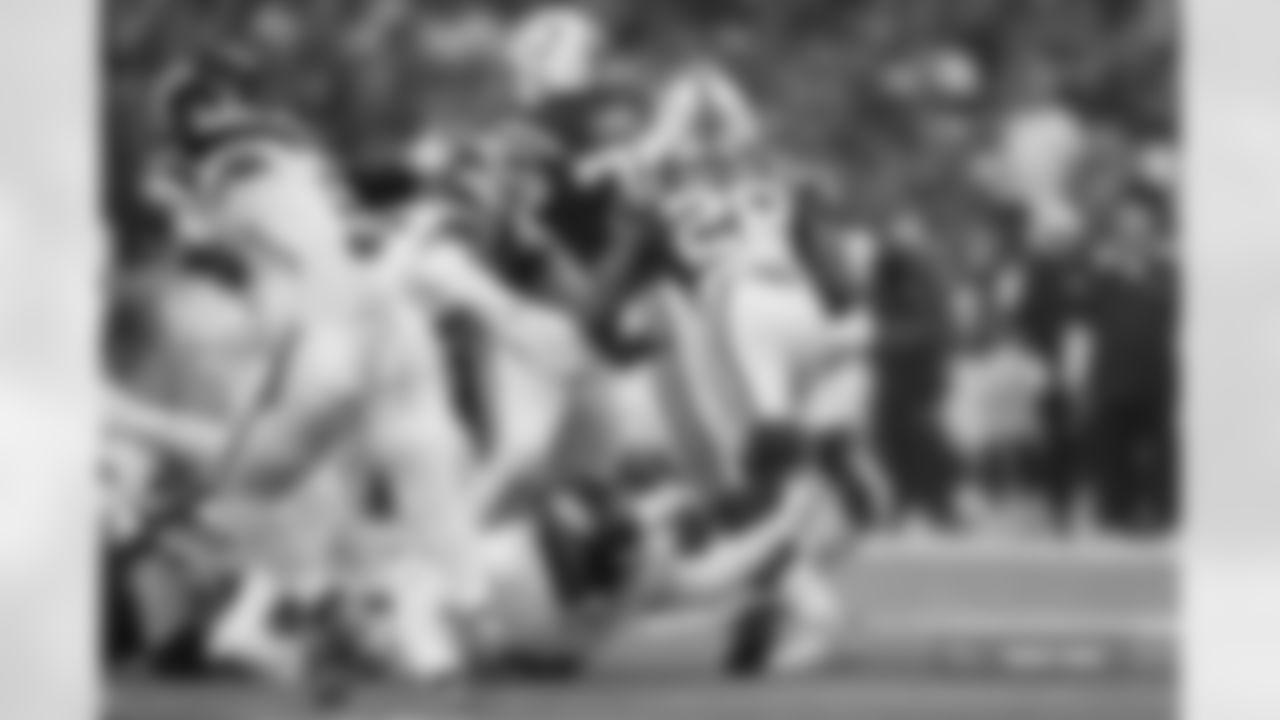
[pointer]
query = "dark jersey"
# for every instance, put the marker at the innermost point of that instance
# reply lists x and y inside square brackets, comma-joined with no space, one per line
[578,212]
[613,245]
[910,300]
[579,215]
[571,119]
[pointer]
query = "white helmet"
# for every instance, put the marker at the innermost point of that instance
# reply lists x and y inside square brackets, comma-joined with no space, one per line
[1040,148]
[435,154]
[554,51]
[703,110]
[292,206]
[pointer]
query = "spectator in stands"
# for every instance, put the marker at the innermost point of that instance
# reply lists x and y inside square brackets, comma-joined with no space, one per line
[912,304]
[1039,157]
[995,385]
[1133,379]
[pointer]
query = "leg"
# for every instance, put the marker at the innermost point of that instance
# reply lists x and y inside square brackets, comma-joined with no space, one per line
[791,627]
[450,277]
[411,628]
[468,357]
[754,637]
[1158,485]
[247,636]
[530,413]
[919,460]
[420,455]
[857,478]
[1166,501]
[121,638]
[1167,470]
[1114,468]
[590,542]
[774,456]
[814,617]
[750,555]
[931,463]
[1058,463]
[527,628]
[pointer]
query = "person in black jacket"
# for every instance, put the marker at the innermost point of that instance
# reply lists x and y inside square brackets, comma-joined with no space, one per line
[1132,443]
[1051,319]
[911,370]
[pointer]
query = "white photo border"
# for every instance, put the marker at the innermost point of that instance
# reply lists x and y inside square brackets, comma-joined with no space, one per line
[50,253]
[1231,417]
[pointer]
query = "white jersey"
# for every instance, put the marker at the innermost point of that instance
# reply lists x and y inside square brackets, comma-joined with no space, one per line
[266,193]
[358,402]
[740,336]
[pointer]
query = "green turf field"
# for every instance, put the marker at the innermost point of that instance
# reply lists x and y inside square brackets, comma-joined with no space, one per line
[954,633]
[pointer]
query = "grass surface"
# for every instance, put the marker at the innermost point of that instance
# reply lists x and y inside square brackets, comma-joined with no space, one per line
[960,634]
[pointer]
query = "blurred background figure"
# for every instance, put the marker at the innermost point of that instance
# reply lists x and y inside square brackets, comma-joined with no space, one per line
[555,53]
[1131,418]
[912,309]
[1039,157]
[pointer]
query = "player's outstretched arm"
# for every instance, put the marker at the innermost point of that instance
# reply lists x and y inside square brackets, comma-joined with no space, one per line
[446,275]
[182,435]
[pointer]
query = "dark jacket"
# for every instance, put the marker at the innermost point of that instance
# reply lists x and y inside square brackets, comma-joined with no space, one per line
[1058,290]
[912,307]
[1135,321]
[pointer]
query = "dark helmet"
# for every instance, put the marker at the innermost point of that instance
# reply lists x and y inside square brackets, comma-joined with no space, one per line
[205,95]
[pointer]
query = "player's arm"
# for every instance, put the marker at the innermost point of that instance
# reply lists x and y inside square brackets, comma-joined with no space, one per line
[166,189]
[445,275]
[569,283]
[267,439]
[181,435]
[628,233]
[311,396]
[636,258]
[161,186]
[565,279]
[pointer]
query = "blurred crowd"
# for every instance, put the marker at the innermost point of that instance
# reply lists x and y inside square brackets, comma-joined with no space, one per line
[1004,171]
